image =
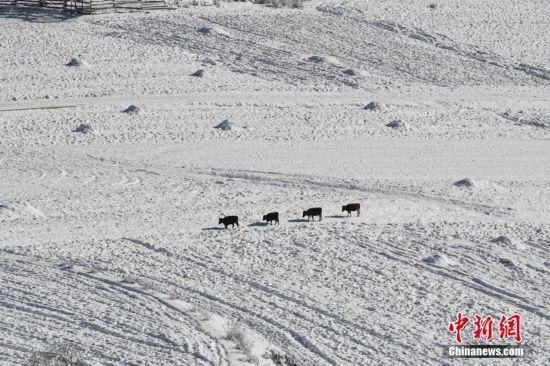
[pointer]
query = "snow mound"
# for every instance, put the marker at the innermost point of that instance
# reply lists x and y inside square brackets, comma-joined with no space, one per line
[316,59]
[213,30]
[324,60]
[199,73]
[226,125]
[466,182]
[208,61]
[507,262]
[373,106]
[334,9]
[15,209]
[84,128]
[440,260]
[502,240]
[75,62]
[522,119]
[133,109]
[205,30]
[397,124]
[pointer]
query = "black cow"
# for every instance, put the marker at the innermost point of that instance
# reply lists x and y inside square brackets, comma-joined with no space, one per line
[350,207]
[272,216]
[229,220]
[312,212]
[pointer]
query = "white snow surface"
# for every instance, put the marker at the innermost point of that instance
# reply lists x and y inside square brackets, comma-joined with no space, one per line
[109,240]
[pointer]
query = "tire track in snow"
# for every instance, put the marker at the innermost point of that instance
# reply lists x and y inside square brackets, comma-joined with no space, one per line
[403,256]
[62,174]
[294,335]
[127,181]
[297,181]
[279,327]
[28,309]
[41,174]
[26,272]
[219,350]
[270,291]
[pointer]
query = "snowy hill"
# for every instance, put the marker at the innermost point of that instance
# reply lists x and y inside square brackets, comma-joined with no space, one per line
[110,248]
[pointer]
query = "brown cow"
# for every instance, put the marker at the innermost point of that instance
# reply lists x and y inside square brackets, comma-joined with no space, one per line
[350,207]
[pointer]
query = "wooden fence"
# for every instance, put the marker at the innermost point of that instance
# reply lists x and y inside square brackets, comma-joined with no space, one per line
[88,6]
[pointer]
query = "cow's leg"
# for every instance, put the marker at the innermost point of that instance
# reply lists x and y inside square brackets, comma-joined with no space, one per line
[358,212]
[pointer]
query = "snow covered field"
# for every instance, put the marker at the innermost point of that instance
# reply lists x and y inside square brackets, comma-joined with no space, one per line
[109,242]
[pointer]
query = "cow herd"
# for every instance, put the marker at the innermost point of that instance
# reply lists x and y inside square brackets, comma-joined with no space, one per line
[273,217]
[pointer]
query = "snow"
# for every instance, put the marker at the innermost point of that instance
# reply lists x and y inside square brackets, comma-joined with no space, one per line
[109,240]
[440,260]
[16,209]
